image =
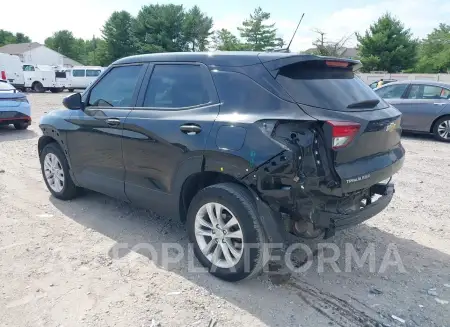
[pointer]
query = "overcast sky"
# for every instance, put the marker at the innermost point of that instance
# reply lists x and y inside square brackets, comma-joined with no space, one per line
[85,18]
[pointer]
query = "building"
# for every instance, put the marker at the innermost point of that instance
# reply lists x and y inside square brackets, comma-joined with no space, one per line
[38,54]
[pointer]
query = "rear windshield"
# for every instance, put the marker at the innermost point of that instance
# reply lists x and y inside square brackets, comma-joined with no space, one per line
[315,84]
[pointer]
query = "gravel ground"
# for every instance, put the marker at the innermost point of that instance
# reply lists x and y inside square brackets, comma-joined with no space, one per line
[58,268]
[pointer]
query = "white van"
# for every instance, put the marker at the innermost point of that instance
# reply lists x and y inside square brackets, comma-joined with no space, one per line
[11,70]
[80,77]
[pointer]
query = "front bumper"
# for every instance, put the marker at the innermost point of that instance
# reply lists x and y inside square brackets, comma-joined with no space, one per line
[332,222]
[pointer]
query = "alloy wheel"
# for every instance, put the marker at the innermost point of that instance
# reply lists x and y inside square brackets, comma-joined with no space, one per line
[444,129]
[54,172]
[219,235]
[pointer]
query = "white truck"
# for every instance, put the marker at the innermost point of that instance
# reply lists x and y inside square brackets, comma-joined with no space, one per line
[11,70]
[40,79]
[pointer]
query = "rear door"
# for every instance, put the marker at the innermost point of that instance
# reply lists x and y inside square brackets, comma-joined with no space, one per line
[395,95]
[422,105]
[328,90]
[165,134]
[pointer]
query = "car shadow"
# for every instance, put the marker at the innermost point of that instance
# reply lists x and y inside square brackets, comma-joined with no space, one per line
[418,136]
[316,297]
[9,133]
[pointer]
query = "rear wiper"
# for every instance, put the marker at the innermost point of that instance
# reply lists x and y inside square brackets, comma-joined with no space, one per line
[364,104]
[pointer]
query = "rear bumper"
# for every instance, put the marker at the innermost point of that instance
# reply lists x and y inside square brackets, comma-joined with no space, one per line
[335,221]
[11,117]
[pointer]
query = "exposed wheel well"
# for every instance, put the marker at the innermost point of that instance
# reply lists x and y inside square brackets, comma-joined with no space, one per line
[43,141]
[434,122]
[197,182]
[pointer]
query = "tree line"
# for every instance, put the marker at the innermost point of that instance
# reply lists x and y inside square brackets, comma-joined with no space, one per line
[385,46]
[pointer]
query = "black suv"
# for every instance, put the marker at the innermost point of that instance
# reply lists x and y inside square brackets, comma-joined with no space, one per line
[246,148]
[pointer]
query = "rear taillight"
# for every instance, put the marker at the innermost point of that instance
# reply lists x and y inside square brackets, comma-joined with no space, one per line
[3,75]
[342,133]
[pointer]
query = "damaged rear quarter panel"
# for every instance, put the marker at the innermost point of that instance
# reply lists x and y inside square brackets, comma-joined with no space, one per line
[285,161]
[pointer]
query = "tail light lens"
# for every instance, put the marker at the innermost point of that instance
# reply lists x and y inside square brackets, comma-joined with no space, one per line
[3,75]
[343,132]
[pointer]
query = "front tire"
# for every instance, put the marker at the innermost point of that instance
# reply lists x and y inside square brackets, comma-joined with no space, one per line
[55,170]
[228,239]
[441,129]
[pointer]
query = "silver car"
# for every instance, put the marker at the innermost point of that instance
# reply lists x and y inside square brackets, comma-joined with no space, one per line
[425,105]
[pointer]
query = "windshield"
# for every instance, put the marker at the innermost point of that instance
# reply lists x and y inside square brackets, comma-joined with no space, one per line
[335,88]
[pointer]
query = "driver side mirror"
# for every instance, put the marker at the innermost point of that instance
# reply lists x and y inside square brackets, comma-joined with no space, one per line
[73,102]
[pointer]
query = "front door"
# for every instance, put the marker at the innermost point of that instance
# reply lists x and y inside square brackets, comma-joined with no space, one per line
[422,104]
[95,145]
[165,135]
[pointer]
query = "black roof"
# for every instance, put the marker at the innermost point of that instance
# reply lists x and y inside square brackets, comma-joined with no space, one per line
[224,58]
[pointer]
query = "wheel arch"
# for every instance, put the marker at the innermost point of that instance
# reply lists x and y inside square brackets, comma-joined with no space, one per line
[198,181]
[436,120]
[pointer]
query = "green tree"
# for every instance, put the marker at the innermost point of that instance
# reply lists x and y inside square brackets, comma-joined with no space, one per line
[118,35]
[159,28]
[434,51]
[7,37]
[22,38]
[387,46]
[196,29]
[63,42]
[258,34]
[224,40]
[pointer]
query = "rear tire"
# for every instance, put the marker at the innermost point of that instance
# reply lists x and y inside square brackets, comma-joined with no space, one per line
[70,90]
[38,87]
[237,257]
[56,90]
[56,172]
[21,125]
[441,129]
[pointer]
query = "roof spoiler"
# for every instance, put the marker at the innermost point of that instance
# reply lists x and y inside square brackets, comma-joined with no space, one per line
[275,61]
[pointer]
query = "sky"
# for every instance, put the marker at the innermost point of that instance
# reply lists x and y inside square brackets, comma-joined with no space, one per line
[337,18]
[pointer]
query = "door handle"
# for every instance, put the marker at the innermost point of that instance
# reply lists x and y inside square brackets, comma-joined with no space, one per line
[439,104]
[190,129]
[113,121]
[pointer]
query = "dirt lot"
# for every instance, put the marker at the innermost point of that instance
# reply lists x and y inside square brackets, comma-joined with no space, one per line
[58,268]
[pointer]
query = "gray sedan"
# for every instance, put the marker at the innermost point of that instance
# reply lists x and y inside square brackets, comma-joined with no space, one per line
[425,105]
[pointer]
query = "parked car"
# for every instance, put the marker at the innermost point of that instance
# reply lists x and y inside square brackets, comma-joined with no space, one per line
[374,85]
[425,106]
[14,107]
[243,147]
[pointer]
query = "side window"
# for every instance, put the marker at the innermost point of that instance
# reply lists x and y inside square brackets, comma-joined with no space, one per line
[116,88]
[428,92]
[178,86]
[392,91]
[78,72]
[432,92]
[28,68]
[92,73]
[445,94]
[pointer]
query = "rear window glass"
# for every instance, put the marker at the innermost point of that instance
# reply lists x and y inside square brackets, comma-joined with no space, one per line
[317,85]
